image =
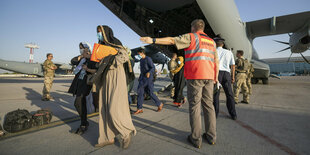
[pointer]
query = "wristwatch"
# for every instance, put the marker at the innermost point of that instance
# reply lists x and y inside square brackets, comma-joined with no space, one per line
[154,40]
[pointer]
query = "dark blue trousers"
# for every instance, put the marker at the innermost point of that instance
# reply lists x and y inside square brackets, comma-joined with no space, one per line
[225,80]
[148,85]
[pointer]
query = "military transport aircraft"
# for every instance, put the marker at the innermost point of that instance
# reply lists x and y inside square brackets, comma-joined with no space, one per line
[33,68]
[161,18]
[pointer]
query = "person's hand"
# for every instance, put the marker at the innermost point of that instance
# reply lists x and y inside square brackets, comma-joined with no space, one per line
[55,67]
[84,67]
[146,40]
[80,57]
[148,75]
[232,80]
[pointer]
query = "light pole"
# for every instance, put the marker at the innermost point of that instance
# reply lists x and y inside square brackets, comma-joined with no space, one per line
[32,46]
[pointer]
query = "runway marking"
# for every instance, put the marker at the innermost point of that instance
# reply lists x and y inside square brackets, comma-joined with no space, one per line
[266,138]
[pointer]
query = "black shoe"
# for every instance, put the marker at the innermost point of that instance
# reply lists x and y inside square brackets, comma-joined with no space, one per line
[245,102]
[211,142]
[45,99]
[234,117]
[81,130]
[189,139]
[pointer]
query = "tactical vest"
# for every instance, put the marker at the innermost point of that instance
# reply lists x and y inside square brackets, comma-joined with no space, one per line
[244,67]
[200,57]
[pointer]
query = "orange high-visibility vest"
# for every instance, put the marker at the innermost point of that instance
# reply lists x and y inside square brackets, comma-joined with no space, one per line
[200,57]
[101,51]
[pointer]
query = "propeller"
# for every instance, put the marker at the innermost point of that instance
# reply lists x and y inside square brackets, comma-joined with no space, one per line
[282,42]
[163,67]
[166,63]
[289,58]
[286,43]
[283,49]
[304,58]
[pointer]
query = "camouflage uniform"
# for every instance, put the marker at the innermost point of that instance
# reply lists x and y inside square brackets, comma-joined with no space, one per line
[241,78]
[248,80]
[49,73]
[172,65]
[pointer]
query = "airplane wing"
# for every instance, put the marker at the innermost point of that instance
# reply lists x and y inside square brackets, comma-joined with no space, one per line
[63,66]
[278,25]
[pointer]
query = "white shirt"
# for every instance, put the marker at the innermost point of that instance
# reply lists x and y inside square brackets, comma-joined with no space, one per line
[226,59]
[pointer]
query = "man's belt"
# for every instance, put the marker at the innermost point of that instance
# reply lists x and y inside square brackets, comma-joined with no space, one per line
[241,71]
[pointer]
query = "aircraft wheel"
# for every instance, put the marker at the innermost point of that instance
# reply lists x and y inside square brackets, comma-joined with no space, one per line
[254,81]
[265,81]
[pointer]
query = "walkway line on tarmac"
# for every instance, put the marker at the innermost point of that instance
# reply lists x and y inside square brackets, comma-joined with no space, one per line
[46,126]
[266,138]
[54,124]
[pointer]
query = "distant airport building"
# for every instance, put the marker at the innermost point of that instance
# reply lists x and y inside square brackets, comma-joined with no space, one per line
[296,66]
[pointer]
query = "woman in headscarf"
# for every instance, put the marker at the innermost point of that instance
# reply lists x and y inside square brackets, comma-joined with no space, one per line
[179,82]
[79,86]
[114,115]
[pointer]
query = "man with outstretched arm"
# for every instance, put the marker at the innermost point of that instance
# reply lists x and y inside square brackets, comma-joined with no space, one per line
[201,71]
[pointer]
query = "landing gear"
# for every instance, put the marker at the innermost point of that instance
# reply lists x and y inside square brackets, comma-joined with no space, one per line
[265,81]
[254,81]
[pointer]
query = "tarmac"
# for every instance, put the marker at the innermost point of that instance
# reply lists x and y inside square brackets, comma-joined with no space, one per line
[275,122]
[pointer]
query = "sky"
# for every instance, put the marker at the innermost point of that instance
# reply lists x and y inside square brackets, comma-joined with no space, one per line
[58,26]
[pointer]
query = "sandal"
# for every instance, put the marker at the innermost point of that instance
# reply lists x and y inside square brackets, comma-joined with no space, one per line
[126,142]
[104,144]
[1,133]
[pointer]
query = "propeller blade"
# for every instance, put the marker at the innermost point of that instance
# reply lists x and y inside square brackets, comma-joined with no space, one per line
[304,58]
[163,67]
[283,50]
[289,58]
[282,42]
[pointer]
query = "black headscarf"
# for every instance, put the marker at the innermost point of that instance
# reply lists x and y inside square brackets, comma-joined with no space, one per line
[110,37]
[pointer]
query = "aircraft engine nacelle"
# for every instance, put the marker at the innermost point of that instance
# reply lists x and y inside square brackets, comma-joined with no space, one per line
[300,40]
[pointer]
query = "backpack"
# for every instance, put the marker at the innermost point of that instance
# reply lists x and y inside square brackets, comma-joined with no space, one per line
[17,120]
[245,66]
[42,117]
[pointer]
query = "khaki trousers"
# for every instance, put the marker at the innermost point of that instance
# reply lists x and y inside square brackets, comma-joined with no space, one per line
[48,82]
[200,95]
[172,91]
[241,83]
[249,84]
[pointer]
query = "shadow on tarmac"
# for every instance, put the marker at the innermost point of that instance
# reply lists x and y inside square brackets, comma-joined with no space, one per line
[61,108]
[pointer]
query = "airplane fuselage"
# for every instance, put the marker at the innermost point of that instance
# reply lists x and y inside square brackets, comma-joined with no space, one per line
[224,19]
[33,68]
[22,67]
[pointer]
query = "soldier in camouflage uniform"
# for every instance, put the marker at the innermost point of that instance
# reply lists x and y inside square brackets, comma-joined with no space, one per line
[241,76]
[172,65]
[248,80]
[49,72]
